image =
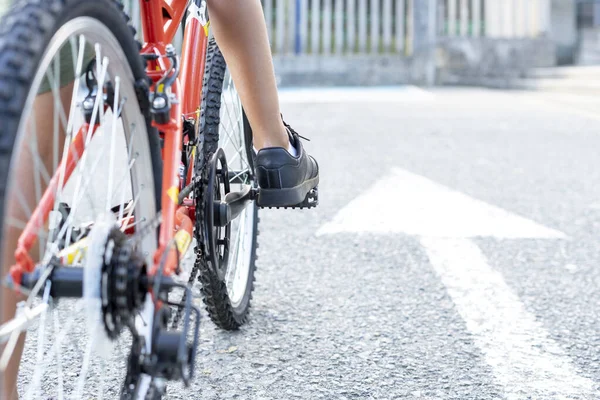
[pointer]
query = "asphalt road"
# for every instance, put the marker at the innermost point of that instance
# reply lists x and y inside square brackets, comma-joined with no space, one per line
[364,313]
[454,255]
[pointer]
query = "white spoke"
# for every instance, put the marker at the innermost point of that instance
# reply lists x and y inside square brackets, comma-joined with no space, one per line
[15,223]
[60,117]
[120,186]
[133,224]
[36,180]
[22,201]
[75,95]
[86,362]
[98,104]
[234,124]
[235,157]
[37,377]
[246,171]
[59,371]
[69,132]
[59,337]
[33,150]
[57,104]
[128,174]
[113,134]
[67,226]
[130,213]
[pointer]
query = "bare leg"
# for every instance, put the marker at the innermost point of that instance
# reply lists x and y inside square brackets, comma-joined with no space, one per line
[43,110]
[240,30]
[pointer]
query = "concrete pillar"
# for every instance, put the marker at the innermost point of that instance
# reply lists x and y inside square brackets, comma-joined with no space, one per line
[425,34]
[563,29]
[596,14]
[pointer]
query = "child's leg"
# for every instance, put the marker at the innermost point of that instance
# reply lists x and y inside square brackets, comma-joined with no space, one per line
[241,33]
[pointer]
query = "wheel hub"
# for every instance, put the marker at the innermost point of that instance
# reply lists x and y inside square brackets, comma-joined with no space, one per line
[124,283]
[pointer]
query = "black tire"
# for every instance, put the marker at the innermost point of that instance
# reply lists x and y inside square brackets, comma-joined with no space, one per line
[25,33]
[216,298]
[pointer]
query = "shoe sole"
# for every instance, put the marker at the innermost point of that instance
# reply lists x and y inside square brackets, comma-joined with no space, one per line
[296,197]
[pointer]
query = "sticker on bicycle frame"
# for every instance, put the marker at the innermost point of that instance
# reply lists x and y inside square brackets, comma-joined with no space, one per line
[182,241]
[200,14]
[173,193]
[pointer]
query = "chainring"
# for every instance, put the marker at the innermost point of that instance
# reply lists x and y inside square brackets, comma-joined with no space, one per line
[216,238]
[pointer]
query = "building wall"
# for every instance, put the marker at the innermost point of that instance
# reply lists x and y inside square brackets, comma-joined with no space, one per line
[563,30]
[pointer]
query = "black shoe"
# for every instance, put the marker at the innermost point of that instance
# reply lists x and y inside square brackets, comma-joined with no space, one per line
[284,180]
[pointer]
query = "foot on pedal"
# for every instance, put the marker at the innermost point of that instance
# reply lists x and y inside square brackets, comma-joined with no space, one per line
[287,181]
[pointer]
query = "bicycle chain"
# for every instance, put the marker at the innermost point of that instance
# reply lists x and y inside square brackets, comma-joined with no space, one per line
[199,182]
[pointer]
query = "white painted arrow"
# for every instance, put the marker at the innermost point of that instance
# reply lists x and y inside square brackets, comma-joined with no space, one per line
[524,359]
[407,203]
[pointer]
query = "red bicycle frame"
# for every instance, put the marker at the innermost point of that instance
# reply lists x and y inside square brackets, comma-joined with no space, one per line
[160,20]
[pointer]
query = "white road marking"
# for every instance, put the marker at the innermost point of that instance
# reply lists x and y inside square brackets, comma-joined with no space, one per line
[404,202]
[525,361]
[387,94]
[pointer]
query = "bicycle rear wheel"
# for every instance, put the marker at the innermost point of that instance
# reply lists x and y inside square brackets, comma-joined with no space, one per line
[227,286]
[68,73]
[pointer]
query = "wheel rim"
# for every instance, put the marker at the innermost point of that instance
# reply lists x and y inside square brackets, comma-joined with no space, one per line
[232,141]
[71,365]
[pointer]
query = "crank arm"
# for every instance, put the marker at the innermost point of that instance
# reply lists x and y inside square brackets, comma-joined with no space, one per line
[235,203]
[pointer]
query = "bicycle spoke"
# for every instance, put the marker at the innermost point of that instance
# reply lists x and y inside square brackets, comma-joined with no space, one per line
[136,223]
[120,186]
[233,178]
[75,94]
[59,371]
[37,378]
[36,180]
[69,130]
[130,213]
[113,134]
[96,110]
[23,202]
[86,361]
[126,175]
[67,228]
[33,150]
[57,103]
[59,336]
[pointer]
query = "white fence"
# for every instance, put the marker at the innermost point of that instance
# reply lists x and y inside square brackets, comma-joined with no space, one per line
[386,26]
[338,27]
[493,18]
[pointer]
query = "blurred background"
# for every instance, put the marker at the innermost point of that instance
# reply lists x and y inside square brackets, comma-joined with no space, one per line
[489,43]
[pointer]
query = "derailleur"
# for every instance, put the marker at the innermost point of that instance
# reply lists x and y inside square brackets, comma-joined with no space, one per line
[173,352]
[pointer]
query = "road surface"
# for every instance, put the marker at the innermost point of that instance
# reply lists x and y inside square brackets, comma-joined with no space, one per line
[454,255]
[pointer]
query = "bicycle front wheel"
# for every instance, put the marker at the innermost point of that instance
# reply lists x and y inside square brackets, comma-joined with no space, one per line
[227,286]
[78,160]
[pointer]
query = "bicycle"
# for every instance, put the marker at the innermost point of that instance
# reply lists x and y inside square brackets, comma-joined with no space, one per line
[170,143]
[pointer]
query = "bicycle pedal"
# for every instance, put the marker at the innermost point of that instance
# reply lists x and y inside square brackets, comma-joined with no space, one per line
[311,201]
